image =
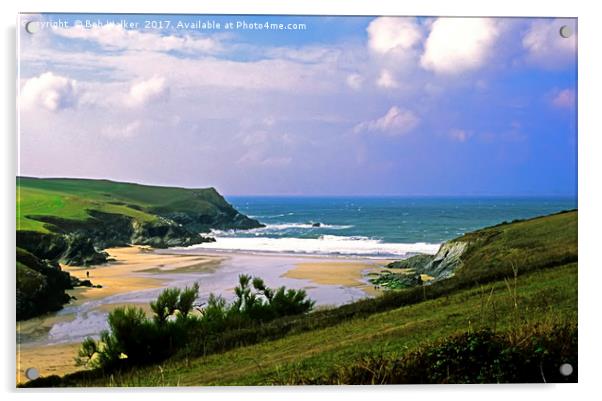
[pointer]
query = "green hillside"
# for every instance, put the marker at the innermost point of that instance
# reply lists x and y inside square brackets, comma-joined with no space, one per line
[508,313]
[492,252]
[71,221]
[38,199]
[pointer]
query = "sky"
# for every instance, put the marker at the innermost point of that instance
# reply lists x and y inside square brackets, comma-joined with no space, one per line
[398,106]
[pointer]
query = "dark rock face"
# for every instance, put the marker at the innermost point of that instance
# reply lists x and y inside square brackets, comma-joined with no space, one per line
[440,266]
[72,249]
[447,260]
[241,222]
[417,262]
[203,223]
[76,242]
[41,286]
[164,234]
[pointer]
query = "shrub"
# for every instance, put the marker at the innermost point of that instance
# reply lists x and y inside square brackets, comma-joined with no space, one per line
[186,300]
[165,305]
[134,339]
[258,302]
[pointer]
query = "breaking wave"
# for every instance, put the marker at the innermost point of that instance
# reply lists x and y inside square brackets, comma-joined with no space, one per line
[324,245]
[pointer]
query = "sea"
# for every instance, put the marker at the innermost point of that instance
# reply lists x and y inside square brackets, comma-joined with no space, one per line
[377,227]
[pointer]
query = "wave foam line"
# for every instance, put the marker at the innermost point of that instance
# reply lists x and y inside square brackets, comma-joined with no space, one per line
[325,245]
[283,227]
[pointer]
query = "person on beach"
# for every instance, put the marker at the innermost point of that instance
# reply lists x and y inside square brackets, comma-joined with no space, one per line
[87,274]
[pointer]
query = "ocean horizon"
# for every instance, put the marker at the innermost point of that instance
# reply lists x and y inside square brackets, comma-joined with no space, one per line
[371,226]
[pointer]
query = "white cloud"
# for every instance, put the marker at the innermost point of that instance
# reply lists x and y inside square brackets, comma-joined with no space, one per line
[459,135]
[386,80]
[394,123]
[564,99]
[355,81]
[49,91]
[546,48]
[113,37]
[123,131]
[146,91]
[455,45]
[387,34]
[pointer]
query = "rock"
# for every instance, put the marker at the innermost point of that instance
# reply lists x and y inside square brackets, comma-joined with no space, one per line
[416,262]
[316,224]
[41,286]
[447,260]
[440,266]
[394,281]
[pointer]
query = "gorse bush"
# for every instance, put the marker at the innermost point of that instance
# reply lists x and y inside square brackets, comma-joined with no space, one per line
[134,339]
[255,301]
[174,300]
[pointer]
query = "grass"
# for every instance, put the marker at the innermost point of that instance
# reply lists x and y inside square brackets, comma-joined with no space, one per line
[531,353]
[36,202]
[529,244]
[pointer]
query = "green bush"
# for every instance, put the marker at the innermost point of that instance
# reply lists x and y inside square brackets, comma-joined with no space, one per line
[134,339]
[255,301]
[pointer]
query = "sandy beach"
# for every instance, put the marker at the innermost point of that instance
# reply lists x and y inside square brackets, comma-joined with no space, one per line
[124,274]
[138,269]
[343,273]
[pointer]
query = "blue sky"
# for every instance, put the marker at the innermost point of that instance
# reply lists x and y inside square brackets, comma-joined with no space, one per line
[347,106]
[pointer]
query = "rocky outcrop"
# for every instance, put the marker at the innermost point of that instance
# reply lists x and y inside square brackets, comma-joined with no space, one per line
[227,218]
[41,285]
[80,242]
[414,262]
[73,249]
[447,260]
[436,267]
[164,233]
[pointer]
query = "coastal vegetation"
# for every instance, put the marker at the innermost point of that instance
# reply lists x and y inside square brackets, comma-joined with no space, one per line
[71,221]
[134,339]
[502,309]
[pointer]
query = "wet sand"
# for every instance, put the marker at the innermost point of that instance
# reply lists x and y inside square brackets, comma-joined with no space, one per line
[343,273]
[124,274]
[48,360]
